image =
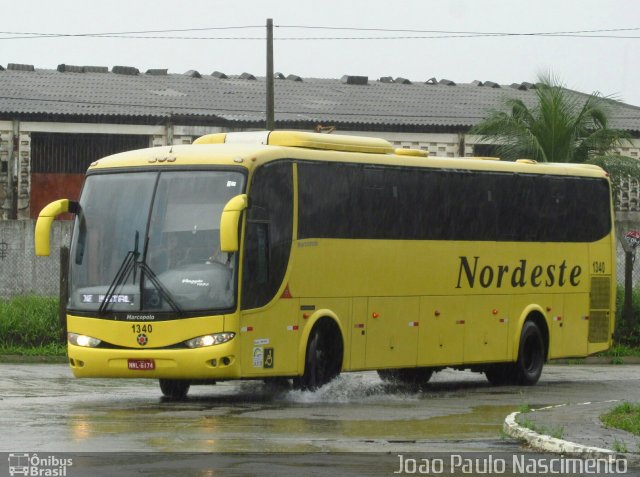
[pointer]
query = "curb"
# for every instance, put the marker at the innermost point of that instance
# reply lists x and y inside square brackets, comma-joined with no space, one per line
[545,443]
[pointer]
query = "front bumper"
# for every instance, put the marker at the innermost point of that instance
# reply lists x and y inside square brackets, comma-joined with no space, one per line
[211,362]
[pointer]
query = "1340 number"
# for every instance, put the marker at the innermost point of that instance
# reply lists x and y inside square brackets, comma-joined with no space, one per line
[138,328]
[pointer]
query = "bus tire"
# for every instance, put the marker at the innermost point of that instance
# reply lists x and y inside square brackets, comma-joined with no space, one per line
[531,355]
[174,388]
[408,376]
[323,360]
[527,369]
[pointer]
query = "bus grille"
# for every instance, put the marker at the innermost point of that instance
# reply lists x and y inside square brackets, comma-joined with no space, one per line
[599,314]
[599,327]
[600,293]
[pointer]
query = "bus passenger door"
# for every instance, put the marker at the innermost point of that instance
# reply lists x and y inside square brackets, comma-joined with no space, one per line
[392,332]
[441,331]
[486,329]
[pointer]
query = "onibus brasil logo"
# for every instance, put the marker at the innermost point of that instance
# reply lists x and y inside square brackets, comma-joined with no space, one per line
[34,465]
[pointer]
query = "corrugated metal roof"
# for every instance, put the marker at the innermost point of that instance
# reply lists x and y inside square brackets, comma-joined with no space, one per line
[95,92]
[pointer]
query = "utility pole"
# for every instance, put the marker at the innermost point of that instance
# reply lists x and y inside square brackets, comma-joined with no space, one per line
[270,90]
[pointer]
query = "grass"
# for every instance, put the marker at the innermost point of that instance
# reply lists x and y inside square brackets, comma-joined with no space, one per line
[557,432]
[529,424]
[619,446]
[576,361]
[625,416]
[52,349]
[620,351]
[29,325]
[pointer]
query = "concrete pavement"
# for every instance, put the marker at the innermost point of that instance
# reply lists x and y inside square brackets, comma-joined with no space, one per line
[574,429]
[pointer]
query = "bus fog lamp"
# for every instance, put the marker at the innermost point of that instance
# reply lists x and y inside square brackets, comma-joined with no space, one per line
[83,340]
[209,340]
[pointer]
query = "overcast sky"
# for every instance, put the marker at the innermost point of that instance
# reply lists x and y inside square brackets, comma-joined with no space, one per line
[608,65]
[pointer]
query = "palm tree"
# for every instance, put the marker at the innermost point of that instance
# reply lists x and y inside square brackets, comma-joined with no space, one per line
[563,126]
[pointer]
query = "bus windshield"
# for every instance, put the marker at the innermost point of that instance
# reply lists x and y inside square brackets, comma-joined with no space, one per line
[149,242]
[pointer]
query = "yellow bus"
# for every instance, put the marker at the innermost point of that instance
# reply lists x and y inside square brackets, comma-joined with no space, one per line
[299,255]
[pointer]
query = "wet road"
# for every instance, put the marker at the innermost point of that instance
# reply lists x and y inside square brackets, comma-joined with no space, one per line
[45,409]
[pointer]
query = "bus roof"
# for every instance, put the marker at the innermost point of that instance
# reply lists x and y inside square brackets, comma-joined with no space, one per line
[249,149]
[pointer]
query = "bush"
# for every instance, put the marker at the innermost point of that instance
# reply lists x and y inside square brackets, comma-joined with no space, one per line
[29,321]
[623,334]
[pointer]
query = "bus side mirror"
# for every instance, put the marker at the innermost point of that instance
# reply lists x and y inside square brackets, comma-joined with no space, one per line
[45,220]
[230,221]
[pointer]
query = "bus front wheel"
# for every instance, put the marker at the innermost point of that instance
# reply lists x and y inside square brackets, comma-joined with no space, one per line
[323,360]
[174,388]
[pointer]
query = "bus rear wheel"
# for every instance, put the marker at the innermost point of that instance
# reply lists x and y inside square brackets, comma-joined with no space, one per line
[531,355]
[174,388]
[527,369]
[323,360]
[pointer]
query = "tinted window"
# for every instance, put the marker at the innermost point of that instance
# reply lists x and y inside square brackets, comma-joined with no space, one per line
[359,201]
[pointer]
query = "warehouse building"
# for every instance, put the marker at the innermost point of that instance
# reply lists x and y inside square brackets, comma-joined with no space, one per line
[54,123]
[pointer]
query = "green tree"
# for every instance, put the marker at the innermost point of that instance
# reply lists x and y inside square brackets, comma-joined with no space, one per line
[618,168]
[562,126]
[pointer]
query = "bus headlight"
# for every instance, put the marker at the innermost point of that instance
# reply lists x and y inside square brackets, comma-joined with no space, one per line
[209,340]
[83,340]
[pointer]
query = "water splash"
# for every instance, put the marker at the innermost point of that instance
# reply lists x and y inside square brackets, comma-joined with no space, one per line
[347,388]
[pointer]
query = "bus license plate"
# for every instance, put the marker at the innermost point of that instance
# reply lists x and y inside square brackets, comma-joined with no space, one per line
[142,364]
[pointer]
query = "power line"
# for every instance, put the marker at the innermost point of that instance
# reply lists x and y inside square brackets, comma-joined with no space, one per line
[323,38]
[430,34]
[109,34]
[132,37]
[311,27]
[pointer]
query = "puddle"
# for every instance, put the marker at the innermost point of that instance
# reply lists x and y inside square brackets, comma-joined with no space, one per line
[356,411]
[251,416]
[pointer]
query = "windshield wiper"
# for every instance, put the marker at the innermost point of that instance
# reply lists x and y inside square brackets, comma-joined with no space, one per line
[129,264]
[153,278]
[123,273]
[166,294]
